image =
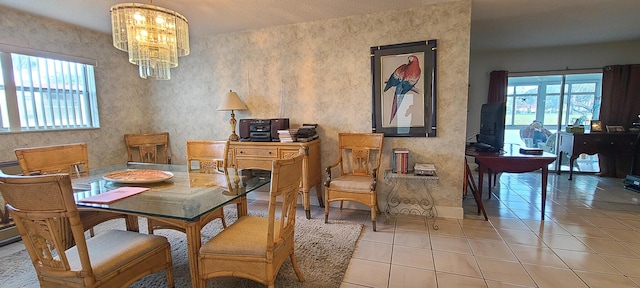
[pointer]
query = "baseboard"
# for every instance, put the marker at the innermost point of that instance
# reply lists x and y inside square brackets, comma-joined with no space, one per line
[9,235]
[450,212]
[443,211]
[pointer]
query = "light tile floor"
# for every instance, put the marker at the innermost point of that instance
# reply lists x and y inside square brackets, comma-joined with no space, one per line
[590,238]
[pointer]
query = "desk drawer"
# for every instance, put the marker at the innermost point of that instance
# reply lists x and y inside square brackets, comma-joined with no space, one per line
[289,153]
[266,152]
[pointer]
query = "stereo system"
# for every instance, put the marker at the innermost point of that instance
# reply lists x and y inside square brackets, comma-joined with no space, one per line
[245,130]
[262,130]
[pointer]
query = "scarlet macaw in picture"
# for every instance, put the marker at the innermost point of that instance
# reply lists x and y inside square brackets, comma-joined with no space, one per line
[404,78]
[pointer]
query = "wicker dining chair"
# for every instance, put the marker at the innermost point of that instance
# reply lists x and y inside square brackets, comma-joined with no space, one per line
[255,247]
[112,258]
[150,147]
[67,158]
[358,161]
[210,157]
[72,159]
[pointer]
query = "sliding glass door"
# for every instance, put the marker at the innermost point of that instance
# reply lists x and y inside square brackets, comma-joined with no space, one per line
[541,104]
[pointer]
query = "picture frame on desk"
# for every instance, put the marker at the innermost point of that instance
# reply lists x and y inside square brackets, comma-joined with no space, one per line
[404,89]
[596,126]
[614,129]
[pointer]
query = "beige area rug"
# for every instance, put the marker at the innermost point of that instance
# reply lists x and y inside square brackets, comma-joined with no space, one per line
[322,250]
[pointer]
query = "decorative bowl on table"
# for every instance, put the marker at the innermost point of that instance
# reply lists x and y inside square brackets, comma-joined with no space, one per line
[138,176]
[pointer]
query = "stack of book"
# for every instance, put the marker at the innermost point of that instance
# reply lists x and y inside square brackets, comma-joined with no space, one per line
[288,135]
[400,161]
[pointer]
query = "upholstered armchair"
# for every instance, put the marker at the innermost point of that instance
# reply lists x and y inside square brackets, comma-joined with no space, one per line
[359,156]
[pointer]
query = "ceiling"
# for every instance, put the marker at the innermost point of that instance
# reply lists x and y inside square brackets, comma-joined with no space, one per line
[495,24]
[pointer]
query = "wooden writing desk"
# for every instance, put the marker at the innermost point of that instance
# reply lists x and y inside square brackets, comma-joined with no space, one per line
[268,151]
[609,144]
[510,160]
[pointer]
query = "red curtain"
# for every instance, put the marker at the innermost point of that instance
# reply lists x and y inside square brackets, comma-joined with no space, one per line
[498,86]
[620,106]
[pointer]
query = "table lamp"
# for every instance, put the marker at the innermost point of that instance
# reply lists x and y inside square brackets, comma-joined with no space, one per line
[231,101]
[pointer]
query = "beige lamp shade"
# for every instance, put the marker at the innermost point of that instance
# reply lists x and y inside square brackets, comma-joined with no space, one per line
[231,101]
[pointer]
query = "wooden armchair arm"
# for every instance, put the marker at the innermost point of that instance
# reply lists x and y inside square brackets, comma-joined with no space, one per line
[328,170]
[374,173]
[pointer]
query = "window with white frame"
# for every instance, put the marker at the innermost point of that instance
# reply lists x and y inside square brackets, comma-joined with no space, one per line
[46,93]
[555,99]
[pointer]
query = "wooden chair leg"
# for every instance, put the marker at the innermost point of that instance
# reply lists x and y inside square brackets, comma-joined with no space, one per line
[467,178]
[373,217]
[474,190]
[294,263]
[319,194]
[326,210]
[224,223]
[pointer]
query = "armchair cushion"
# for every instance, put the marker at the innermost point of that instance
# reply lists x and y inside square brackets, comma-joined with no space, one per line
[354,183]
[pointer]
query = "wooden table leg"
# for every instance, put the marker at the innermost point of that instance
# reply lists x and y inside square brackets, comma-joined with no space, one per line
[489,172]
[193,248]
[242,207]
[558,163]
[545,173]
[306,203]
[480,180]
[571,160]
[132,223]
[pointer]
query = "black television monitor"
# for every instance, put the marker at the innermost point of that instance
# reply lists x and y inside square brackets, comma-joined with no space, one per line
[491,136]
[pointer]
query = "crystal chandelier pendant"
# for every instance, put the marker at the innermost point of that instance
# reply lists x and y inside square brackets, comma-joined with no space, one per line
[154,37]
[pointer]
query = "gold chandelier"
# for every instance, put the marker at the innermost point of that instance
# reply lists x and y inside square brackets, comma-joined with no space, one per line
[154,37]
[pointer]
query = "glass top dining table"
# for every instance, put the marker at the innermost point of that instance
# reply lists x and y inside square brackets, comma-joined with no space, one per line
[186,196]
[186,202]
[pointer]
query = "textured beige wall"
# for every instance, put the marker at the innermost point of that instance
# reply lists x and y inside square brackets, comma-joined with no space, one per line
[122,95]
[317,72]
[320,72]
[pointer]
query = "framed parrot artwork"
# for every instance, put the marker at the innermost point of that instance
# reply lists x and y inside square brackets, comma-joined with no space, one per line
[404,89]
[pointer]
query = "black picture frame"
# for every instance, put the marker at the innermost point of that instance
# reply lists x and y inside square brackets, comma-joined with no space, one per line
[596,126]
[412,113]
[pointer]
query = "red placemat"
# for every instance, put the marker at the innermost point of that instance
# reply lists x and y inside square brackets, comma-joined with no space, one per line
[114,195]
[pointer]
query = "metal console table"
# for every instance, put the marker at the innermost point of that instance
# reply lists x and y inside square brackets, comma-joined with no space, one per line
[402,200]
